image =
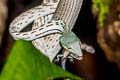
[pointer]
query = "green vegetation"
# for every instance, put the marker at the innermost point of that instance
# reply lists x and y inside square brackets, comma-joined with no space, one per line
[103,6]
[27,63]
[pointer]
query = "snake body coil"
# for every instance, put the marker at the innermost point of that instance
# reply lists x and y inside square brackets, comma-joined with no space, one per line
[49,20]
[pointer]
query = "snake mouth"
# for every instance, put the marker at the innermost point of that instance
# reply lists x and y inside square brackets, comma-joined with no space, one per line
[76,56]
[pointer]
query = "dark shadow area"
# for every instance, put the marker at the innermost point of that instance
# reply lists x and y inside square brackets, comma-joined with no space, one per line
[86,28]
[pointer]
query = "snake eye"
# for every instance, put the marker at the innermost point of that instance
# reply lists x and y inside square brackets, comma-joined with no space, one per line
[69,47]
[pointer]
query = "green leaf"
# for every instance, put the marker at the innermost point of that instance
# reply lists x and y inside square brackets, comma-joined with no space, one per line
[27,63]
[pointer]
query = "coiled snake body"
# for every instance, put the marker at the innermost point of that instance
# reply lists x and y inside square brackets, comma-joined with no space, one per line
[50,20]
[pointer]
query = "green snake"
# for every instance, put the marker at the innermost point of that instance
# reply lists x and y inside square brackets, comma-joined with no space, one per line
[50,20]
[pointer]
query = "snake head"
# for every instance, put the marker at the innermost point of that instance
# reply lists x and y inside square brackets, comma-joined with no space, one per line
[70,42]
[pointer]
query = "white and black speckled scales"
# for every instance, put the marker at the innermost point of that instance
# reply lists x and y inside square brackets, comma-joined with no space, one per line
[49,20]
[67,11]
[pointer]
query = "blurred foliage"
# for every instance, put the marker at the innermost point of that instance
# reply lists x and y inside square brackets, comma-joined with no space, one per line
[27,63]
[103,6]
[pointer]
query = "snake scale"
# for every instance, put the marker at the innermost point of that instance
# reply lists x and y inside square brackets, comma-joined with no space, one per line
[49,20]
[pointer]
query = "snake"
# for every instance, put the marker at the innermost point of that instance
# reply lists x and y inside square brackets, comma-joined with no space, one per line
[48,24]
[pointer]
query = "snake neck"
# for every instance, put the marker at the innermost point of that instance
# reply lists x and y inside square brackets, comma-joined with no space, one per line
[68,11]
